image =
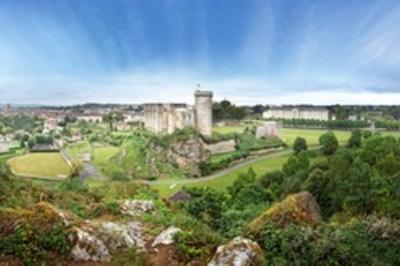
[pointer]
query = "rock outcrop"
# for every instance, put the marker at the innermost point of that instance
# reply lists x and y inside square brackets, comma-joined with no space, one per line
[300,208]
[95,241]
[137,207]
[238,252]
[166,237]
[188,154]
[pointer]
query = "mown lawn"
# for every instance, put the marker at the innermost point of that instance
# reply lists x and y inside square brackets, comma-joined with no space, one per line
[40,164]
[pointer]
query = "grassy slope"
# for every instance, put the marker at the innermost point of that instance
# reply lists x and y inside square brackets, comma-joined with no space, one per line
[222,182]
[262,166]
[100,153]
[41,164]
[288,135]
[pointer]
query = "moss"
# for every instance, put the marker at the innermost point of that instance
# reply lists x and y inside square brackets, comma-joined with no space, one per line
[30,234]
[300,208]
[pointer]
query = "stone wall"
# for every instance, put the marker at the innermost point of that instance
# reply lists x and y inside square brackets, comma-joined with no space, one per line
[269,129]
[166,118]
[222,147]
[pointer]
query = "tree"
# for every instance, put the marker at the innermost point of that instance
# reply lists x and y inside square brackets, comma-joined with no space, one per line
[242,180]
[329,143]
[388,166]
[358,188]
[207,205]
[342,113]
[31,142]
[300,144]
[296,163]
[111,118]
[225,110]
[355,139]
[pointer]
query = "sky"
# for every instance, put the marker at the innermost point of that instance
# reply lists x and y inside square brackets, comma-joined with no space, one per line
[246,51]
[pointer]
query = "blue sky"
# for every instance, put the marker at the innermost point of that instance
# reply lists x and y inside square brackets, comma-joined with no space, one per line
[249,51]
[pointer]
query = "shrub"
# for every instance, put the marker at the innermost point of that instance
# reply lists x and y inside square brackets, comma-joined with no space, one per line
[329,143]
[300,144]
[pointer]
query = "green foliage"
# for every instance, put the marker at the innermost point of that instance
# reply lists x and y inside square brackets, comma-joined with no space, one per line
[355,140]
[388,166]
[329,143]
[31,142]
[300,144]
[206,205]
[353,244]
[225,110]
[185,245]
[242,181]
[19,122]
[131,257]
[296,163]
[329,124]
[31,243]
[377,147]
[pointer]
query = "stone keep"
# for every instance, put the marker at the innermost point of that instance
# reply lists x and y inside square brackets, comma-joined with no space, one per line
[165,118]
[203,112]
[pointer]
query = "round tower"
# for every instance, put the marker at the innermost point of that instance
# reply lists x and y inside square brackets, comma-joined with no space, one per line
[203,112]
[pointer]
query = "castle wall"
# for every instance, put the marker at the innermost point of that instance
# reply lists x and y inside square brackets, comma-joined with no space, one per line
[166,118]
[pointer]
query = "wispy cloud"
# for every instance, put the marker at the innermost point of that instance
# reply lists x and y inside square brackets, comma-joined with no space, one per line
[135,51]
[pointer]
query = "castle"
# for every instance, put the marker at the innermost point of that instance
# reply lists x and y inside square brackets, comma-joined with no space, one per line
[165,118]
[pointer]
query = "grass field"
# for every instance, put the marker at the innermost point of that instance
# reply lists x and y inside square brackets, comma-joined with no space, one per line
[41,164]
[229,129]
[288,135]
[260,167]
[275,162]
[100,153]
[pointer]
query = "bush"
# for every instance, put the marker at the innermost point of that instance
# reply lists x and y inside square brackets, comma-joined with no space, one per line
[300,144]
[329,143]
[355,140]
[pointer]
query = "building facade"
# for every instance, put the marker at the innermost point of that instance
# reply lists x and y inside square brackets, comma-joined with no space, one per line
[317,113]
[165,118]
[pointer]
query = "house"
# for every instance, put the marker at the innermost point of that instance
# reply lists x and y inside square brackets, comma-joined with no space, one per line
[308,112]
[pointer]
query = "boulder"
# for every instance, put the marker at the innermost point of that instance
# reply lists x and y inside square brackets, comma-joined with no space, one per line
[121,235]
[137,207]
[87,247]
[180,196]
[166,237]
[94,241]
[238,252]
[300,208]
